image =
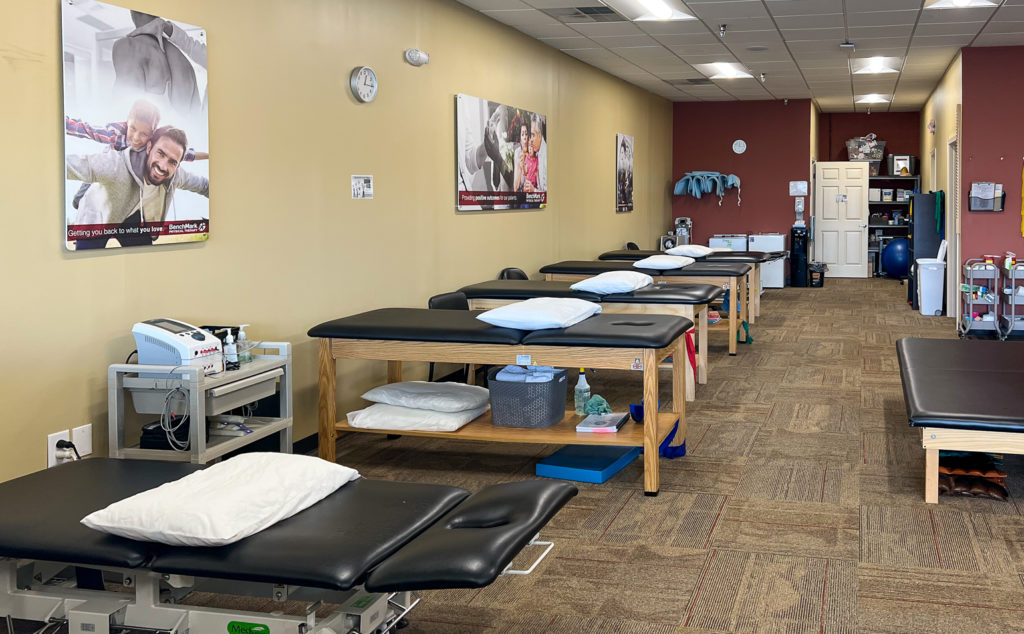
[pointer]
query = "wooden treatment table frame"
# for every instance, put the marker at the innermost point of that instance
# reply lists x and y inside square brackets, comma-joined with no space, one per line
[697,313]
[733,324]
[656,426]
[935,438]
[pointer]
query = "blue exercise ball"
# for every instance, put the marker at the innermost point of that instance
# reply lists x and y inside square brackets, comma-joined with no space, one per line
[896,258]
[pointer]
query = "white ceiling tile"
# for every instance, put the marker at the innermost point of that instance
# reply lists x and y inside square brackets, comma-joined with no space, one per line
[857,33]
[737,39]
[739,25]
[1004,27]
[607,29]
[932,55]
[949,16]
[565,43]
[804,7]
[874,43]
[483,5]
[621,41]
[949,28]
[517,18]
[653,54]
[880,18]
[709,59]
[774,56]
[547,30]
[682,72]
[593,55]
[822,21]
[895,51]
[832,36]
[729,10]
[1010,14]
[856,6]
[699,49]
[942,40]
[1000,39]
[688,40]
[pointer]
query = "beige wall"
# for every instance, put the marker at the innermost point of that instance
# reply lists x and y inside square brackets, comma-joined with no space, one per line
[289,248]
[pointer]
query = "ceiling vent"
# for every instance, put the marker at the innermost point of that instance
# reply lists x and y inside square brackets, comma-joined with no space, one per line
[578,15]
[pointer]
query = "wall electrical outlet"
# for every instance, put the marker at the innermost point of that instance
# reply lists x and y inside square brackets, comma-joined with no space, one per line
[51,447]
[82,437]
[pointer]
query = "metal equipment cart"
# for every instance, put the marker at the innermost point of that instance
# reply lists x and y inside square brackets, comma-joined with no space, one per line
[981,288]
[201,396]
[1011,319]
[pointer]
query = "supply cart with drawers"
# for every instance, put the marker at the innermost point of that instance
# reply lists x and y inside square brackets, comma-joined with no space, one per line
[1011,319]
[981,296]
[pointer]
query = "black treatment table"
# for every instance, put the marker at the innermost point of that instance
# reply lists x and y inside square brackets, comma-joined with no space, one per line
[685,300]
[753,258]
[965,396]
[386,536]
[613,342]
[735,275]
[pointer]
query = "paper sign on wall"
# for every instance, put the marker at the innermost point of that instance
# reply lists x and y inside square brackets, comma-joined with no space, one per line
[797,188]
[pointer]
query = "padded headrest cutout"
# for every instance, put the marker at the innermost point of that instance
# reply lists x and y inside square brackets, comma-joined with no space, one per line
[633,323]
[481,517]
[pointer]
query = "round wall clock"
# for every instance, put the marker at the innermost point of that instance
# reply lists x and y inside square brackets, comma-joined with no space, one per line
[739,146]
[363,82]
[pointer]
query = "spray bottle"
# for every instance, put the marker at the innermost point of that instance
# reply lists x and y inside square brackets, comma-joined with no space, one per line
[244,349]
[230,352]
[582,393]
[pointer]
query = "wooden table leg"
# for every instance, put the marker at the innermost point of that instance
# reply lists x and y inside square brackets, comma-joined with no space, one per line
[327,386]
[702,346]
[678,403]
[652,482]
[746,298]
[471,374]
[394,371]
[931,476]
[734,284]
[757,289]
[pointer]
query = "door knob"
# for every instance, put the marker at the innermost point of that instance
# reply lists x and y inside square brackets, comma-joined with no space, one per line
[863,226]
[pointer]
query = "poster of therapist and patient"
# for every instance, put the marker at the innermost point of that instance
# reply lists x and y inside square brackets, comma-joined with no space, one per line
[136,128]
[501,156]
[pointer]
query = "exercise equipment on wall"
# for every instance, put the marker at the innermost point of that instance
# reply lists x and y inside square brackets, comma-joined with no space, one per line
[697,184]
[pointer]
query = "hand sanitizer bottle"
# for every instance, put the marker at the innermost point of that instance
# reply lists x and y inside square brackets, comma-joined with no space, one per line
[244,350]
[230,352]
[582,392]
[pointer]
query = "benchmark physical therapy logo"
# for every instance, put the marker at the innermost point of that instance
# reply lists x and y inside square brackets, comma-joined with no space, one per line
[179,228]
[241,627]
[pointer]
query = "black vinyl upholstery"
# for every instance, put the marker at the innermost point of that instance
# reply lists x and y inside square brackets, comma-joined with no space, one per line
[525,289]
[41,511]
[668,294]
[332,544]
[455,300]
[417,324]
[697,269]
[615,331]
[758,257]
[512,273]
[472,544]
[974,384]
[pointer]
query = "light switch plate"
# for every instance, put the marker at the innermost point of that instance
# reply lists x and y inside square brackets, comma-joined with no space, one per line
[82,437]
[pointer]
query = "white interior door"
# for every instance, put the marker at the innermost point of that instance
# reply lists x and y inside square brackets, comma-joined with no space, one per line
[841,217]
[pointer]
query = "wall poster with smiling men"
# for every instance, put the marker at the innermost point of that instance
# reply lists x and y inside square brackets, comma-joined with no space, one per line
[136,143]
[501,156]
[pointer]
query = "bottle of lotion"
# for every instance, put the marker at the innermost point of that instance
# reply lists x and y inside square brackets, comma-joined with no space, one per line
[230,352]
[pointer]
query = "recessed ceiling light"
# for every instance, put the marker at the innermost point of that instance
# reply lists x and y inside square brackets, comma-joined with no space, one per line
[651,10]
[873,98]
[957,4]
[875,65]
[724,70]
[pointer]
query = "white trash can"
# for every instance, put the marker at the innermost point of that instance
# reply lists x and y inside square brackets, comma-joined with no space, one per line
[931,280]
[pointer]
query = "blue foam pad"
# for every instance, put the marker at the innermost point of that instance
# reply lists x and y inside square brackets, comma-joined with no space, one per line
[586,463]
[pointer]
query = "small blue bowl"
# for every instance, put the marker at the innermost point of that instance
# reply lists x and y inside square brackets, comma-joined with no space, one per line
[636,412]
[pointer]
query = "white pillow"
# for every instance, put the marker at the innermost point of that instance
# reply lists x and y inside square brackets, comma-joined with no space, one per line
[614,282]
[224,503]
[438,397]
[691,250]
[381,416]
[663,262]
[541,312]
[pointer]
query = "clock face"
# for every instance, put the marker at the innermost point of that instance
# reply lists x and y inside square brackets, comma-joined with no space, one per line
[739,146]
[363,83]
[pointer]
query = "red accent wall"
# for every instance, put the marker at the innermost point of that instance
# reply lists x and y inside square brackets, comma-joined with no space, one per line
[778,151]
[901,132]
[992,148]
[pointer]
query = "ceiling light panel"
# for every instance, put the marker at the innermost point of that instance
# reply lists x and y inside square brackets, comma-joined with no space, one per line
[957,5]
[872,99]
[876,65]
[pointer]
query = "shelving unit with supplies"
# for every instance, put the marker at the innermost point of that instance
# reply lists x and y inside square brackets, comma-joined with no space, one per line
[1011,318]
[881,232]
[978,273]
[202,396]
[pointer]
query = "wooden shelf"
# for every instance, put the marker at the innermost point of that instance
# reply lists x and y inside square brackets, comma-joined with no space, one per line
[891,202]
[562,433]
[893,178]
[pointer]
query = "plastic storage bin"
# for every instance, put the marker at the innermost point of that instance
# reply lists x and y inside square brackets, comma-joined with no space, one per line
[931,280]
[515,404]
